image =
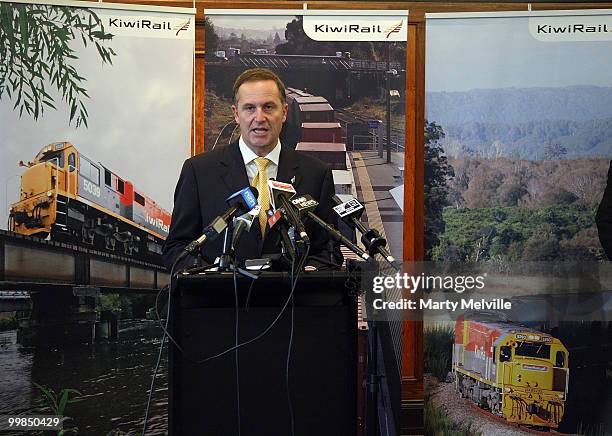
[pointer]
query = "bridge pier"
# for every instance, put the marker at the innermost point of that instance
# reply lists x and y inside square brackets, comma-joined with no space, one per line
[108,326]
[65,316]
[55,285]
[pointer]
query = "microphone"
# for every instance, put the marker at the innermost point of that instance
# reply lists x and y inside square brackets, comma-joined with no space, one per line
[245,199]
[280,194]
[350,212]
[305,205]
[279,190]
[243,224]
[278,221]
[232,236]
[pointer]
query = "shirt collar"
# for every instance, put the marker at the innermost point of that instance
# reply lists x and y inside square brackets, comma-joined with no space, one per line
[249,155]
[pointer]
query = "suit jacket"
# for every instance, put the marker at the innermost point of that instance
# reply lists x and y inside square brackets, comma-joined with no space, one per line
[603,218]
[207,179]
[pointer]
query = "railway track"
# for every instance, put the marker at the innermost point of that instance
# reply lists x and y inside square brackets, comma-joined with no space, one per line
[463,411]
[502,421]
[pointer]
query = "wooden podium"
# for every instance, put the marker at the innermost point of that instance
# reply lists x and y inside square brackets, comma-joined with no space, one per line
[322,368]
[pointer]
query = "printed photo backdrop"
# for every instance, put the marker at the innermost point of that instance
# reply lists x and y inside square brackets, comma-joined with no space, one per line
[518,145]
[334,67]
[114,82]
[338,68]
[523,122]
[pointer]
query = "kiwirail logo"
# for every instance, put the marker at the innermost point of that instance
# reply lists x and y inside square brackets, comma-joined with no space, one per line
[138,24]
[355,28]
[571,28]
[169,26]
[183,27]
[394,29]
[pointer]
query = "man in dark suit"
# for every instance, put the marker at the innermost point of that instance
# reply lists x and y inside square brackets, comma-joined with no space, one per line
[604,217]
[207,179]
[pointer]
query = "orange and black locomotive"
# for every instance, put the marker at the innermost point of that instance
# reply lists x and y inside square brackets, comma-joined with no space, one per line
[66,196]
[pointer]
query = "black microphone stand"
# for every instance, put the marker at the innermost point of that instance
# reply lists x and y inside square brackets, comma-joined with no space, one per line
[227,254]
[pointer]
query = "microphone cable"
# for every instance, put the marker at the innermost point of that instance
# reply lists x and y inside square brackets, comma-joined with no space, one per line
[269,327]
[289,349]
[294,276]
[163,340]
[236,341]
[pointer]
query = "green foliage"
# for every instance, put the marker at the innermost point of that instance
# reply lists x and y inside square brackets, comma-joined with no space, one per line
[438,423]
[438,345]
[211,39]
[437,174]
[58,402]
[127,306]
[8,322]
[35,48]
[515,233]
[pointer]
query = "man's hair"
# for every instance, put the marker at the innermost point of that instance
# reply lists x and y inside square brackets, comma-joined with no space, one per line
[257,75]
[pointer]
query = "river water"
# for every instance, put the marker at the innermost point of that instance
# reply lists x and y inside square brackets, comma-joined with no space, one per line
[114,378]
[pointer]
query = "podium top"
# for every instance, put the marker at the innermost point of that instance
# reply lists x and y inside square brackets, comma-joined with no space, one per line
[317,288]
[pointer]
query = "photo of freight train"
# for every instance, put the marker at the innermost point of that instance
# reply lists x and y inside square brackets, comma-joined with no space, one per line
[312,125]
[515,372]
[68,197]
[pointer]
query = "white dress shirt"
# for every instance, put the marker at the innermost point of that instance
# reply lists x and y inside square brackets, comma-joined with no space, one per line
[249,160]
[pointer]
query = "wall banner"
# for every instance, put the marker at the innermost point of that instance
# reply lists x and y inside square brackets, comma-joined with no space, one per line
[111,81]
[337,66]
[518,147]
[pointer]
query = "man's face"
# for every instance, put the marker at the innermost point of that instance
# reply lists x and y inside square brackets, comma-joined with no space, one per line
[260,114]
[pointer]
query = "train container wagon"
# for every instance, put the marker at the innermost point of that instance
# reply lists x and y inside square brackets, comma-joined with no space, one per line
[321,132]
[294,112]
[311,99]
[299,92]
[333,154]
[515,372]
[67,196]
[315,113]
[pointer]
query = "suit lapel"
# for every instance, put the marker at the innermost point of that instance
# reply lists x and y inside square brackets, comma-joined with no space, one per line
[234,174]
[288,166]
[235,178]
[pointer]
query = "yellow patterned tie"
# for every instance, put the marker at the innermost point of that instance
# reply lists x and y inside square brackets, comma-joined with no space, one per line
[260,181]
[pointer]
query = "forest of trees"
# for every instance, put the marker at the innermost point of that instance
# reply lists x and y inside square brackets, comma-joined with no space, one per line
[512,209]
[591,138]
[519,105]
[520,122]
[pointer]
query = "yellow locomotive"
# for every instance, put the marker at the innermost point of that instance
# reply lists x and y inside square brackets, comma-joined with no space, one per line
[515,372]
[67,196]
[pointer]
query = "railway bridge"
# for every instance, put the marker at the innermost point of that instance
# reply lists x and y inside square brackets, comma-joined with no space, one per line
[58,282]
[337,78]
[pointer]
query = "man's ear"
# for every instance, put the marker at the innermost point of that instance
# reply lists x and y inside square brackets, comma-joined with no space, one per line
[285,109]
[235,112]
